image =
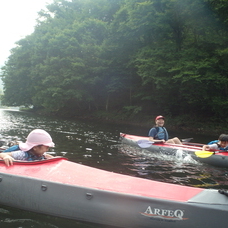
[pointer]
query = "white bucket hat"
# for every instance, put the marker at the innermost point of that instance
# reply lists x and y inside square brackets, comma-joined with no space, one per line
[35,138]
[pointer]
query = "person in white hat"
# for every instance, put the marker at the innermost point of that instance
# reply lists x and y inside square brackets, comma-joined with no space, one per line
[35,148]
[159,134]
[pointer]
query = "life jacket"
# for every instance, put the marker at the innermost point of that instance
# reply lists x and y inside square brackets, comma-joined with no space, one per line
[165,133]
[12,148]
[29,156]
[219,147]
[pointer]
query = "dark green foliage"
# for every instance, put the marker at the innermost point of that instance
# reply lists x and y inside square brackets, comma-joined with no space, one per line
[123,56]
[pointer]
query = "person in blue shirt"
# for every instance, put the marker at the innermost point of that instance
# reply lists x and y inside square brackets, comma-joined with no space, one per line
[220,144]
[159,134]
[35,148]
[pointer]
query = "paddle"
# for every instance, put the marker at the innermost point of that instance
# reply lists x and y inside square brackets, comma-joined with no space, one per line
[144,143]
[186,140]
[199,153]
[204,154]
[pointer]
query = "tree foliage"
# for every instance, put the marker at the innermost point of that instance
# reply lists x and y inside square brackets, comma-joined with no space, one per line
[150,56]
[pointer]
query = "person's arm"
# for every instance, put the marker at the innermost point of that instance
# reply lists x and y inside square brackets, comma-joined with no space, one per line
[47,156]
[210,147]
[156,140]
[8,159]
[206,147]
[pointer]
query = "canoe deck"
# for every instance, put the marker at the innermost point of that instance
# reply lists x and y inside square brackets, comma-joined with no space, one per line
[66,172]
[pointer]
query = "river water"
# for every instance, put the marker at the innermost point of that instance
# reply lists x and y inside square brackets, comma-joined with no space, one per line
[97,144]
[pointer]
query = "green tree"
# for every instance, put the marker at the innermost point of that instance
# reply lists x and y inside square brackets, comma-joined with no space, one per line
[127,56]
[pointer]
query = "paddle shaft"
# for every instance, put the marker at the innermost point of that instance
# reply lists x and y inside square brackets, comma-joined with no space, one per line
[169,144]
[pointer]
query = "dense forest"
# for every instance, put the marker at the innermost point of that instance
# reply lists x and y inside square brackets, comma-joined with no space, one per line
[123,57]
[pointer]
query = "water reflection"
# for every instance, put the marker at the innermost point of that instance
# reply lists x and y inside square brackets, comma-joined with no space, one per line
[97,144]
[12,218]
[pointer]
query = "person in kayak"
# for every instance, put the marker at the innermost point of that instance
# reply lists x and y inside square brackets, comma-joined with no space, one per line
[220,144]
[159,134]
[35,148]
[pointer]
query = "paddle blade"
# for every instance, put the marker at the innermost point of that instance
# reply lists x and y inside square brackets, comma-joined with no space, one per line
[186,140]
[203,154]
[144,143]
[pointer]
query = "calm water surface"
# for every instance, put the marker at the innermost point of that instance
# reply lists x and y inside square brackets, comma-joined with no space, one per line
[97,144]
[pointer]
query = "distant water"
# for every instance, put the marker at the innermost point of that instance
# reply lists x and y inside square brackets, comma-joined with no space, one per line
[97,144]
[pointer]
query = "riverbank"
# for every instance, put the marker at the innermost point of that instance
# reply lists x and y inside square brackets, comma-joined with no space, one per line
[187,123]
[187,126]
[181,123]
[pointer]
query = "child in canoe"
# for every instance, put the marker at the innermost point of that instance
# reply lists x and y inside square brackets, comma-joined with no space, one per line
[220,144]
[35,148]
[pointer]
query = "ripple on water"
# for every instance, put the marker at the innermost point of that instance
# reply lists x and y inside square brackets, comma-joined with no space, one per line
[180,169]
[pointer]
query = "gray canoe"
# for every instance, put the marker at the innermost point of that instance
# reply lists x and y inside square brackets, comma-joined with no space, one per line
[66,189]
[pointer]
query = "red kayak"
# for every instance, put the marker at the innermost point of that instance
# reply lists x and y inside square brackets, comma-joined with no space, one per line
[217,158]
[62,188]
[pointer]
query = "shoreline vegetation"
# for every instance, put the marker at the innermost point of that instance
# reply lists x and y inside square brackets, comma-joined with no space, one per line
[186,123]
[125,60]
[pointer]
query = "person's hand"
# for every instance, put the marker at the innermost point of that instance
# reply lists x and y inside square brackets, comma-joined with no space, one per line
[206,147]
[8,160]
[162,141]
[48,156]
